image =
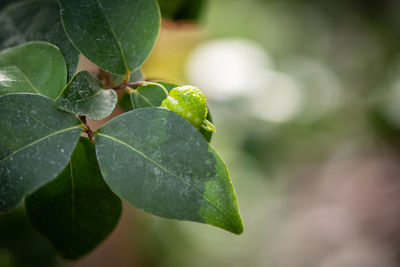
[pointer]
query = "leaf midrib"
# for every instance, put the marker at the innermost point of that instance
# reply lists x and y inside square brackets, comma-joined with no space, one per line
[114,34]
[133,17]
[144,98]
[39,140]
[168,171]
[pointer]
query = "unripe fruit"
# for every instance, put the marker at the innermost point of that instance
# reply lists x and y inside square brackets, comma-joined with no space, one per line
[189,102]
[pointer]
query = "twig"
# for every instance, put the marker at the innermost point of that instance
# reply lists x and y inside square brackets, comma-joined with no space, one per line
[124,85]
[88,130]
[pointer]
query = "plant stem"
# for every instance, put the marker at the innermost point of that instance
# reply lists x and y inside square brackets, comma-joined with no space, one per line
[124,85]
[88,130]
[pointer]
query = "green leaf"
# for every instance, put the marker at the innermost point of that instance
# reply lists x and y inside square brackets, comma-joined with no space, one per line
[157,161]
[37,20]
[84,95]
[33,67]
[145,96]
[148,96]
[116,35]
[124,102]
[77,210]
[152,96]
[206,134]
[36,143]
[181,9]
[21,245]
[135,76]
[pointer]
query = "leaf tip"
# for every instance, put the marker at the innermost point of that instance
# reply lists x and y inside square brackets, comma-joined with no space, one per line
[236,225]
[238,230]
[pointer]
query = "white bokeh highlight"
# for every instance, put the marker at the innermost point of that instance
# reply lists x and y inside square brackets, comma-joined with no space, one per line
[227,68]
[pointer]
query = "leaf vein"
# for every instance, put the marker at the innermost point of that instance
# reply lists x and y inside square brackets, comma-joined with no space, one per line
[39,140]
[114,34]
[133,17]
[145,99]
[168,171]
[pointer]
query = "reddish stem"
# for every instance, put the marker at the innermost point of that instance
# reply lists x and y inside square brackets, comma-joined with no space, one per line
[88,130]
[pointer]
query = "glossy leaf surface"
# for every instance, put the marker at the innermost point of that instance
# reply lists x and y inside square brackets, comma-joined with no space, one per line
[36,143]
[157,161]
[77,210]
[84,95]
[40,20]
[33,67]
[116,35]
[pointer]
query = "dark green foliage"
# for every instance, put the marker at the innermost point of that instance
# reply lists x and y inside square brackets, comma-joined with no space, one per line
[150,156]
[36,143]
[147,96]
[157,161]
[77,210]
[181,9]
[116,35]
[84,95]
[34,67]
[36,20]
[21,245]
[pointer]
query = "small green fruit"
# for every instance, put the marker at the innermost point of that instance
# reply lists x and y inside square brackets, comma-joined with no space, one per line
[189,102]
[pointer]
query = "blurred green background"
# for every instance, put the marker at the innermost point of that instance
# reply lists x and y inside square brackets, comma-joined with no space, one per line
[305,96]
